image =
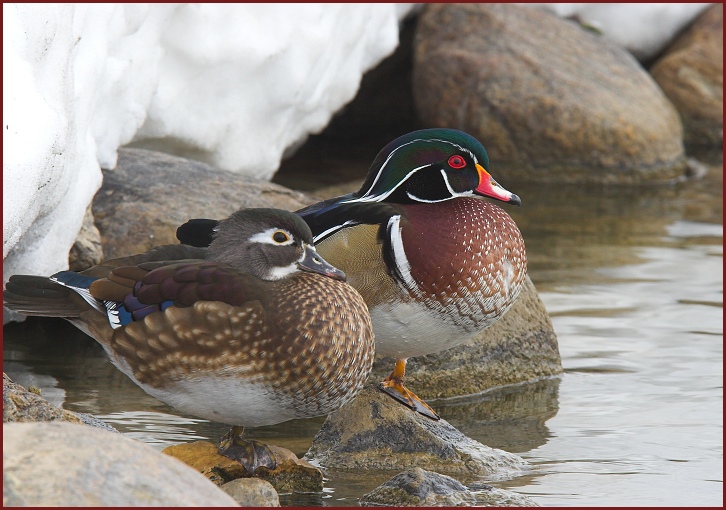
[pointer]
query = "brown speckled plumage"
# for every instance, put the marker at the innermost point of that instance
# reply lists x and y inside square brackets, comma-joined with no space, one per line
[308,337]
[209,339]
[474,270]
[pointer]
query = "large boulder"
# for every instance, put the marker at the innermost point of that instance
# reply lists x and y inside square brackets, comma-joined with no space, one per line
[62,464]
[691,75]
[149,194]
[550,100]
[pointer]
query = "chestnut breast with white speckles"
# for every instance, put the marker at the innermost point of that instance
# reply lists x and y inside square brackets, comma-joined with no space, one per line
[464,266]
[466,253]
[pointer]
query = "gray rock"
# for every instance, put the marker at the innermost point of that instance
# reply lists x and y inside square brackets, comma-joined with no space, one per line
[419,487]
[87,250]
[549,100]
[62,464]
[252,492]
[691,75]
[486,495]
[92,421]
[376,432]
[521,346]
[149,194]
[21,405]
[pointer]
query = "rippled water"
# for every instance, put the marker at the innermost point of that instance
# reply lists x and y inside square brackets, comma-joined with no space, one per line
[633,282]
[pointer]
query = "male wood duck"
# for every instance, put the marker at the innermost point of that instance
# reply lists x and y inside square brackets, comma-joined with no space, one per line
[254,330]
[434,264]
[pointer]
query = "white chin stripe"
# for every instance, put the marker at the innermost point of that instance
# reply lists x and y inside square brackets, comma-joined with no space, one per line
[278,273]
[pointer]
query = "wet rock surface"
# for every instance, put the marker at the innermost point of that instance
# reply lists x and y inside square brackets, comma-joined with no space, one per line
[26,405]
[691,75]
[419,487]
[550,100]
[376,432]
[64,464]
[252,492]
[290,475]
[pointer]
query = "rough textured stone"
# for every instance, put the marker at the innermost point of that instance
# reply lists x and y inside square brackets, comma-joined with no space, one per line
[419,487]
[376,432]
[691,75]
[486,495]
[21,405]
[290,475]
[62,464]
[149,194]
[549,100]
[252,492]
[203,457]
[87,250]
[521,346]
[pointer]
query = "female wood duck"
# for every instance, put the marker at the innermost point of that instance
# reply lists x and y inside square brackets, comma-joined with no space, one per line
[254,330]
[434,264]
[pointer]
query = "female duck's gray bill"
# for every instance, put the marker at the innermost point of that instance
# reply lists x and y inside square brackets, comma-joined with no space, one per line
[313,262]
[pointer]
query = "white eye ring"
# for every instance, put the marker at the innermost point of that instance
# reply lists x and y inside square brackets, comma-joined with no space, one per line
[269,235]
[280,237]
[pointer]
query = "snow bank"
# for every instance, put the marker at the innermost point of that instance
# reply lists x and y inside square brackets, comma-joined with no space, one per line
[236,84]
[643,29]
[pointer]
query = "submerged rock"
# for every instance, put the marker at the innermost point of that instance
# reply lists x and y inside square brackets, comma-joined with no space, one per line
[691,75]
[376,432]
[63,464]
[486,495]
[550,100]
[419,487]
[290,475]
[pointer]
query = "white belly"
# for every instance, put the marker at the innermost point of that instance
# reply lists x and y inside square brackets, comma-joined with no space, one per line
[231,398]
[410,329]
[228,400]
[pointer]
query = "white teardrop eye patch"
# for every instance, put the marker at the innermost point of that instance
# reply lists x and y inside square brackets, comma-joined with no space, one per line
[274,236]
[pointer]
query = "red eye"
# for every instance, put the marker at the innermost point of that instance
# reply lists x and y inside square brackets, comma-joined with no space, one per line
[457,162]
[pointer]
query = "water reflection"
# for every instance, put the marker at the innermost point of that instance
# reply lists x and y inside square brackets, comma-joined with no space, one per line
[510,418]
